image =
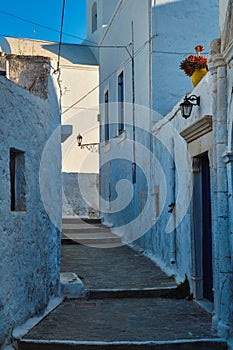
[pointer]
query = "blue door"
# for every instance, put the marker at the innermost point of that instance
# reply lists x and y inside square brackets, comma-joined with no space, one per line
[206,229]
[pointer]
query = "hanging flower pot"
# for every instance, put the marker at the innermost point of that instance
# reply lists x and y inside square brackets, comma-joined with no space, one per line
[197,75]
[195,66]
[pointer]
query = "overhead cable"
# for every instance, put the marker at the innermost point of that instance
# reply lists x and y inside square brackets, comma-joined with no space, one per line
[61,30]
[44,26]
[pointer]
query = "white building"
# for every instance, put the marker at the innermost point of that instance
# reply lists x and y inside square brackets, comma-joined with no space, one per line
[175,200]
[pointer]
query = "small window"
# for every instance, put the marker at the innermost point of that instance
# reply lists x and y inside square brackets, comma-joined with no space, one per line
[94,17]
[106,112]
[121,117]
[17,178]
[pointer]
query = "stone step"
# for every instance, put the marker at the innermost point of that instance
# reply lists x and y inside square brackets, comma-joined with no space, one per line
[94,235]
[159,322]
[80,220]
[117,293]
[89,235]
[84,229]
[95,244]
[205,344]
[98,242]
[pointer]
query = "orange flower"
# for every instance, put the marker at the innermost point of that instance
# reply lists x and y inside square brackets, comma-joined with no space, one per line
[193,62]
[199,49]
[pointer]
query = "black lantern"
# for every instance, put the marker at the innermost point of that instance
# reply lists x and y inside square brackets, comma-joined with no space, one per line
[79,139]
[187,105]
[92,147]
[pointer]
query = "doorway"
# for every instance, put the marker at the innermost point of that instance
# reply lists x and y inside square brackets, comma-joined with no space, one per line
[202,229]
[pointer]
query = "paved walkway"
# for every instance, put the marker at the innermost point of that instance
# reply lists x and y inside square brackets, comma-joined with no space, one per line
[119,267]
[125,320]
[169,323]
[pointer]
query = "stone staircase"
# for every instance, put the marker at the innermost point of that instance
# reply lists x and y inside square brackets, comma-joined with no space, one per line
[129,304]
[88,231]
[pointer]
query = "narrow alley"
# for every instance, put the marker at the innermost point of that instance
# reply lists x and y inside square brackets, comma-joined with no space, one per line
[116,193]
[129,303]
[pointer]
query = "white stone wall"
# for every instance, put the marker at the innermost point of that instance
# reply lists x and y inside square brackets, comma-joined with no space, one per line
[80,194]
[177,27]
[30,239]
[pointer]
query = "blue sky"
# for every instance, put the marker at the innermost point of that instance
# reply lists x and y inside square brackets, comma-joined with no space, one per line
[47,13]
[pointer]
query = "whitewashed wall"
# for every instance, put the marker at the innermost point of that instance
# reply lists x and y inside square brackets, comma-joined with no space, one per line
[105,10]
[112,62]
[77,82]
[30,239]
[80,194]
[177,27]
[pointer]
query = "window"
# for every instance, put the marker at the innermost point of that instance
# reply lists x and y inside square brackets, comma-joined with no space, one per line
[106,112]
[17,178]
[94,17]
[121,121]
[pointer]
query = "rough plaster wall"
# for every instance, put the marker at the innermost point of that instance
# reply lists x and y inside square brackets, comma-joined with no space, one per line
[156,243]
[29,72]
[29,241]
[80,194]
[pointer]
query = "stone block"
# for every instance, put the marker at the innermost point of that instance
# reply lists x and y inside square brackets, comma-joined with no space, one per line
[71,285]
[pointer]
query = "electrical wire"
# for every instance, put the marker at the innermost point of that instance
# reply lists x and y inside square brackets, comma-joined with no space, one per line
[125,63]
[61,30]
[128,60]
[85,45]
[174,52]
[80,38]
[80,45]
[44,26]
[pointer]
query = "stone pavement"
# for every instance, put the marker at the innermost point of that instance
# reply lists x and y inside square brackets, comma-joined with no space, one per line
[120,268]
[88,231]
[119,313]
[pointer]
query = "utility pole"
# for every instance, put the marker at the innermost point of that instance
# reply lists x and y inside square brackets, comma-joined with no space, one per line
[133,108]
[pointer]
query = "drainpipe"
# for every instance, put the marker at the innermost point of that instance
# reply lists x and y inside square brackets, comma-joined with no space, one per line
[133,107]
[172,208]
[221,230]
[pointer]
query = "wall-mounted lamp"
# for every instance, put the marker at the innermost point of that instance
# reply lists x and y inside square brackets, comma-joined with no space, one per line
[92,147]
[187,105]
[79,139]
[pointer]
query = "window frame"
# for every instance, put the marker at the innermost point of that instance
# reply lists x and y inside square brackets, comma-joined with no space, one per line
[17,180]
[121,100]
[106,117]
[94,17]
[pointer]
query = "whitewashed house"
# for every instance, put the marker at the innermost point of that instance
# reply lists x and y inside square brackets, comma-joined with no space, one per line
[166,181]
[78,94]
[30,191]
